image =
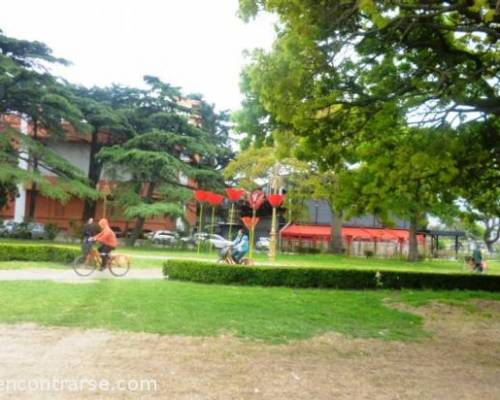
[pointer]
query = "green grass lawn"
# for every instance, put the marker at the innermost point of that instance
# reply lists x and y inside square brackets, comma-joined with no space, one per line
[274,315]
[31,264]
[153,257]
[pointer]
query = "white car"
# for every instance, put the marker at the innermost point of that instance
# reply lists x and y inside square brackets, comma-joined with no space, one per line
[164,237]
[263,243]
[218,241]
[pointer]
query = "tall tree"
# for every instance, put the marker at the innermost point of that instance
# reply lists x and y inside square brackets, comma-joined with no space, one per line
[166,145]
[343,73]
[409,174]
[105,111]
[30,91]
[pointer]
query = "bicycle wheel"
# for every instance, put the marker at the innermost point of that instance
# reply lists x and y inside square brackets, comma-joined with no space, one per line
[119,265]
[84,265]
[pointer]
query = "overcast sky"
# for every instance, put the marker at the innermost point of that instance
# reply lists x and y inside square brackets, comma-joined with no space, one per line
[194,44]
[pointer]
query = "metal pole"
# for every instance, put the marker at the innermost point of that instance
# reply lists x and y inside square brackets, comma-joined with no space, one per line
[252,234]
[231,217]
[212,227]
[272,245]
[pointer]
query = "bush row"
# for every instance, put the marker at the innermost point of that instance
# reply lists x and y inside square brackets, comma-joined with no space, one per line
[35,252]
[325,278]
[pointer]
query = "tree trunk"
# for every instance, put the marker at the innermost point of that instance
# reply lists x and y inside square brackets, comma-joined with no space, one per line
[139,225]
[413,245]
[136,233]
[94,175]
[491,233]
[336,245]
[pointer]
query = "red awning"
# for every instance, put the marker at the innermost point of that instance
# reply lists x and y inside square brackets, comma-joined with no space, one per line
[323,232]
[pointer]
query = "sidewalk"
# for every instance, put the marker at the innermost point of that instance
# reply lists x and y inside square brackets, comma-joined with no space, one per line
[69,276]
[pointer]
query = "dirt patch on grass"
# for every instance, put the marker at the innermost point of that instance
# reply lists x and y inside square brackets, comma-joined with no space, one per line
[460,360]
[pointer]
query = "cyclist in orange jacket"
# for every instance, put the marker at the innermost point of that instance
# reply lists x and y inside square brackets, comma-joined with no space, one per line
[107,239]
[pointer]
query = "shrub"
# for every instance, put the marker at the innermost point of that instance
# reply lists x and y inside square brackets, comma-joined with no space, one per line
[51,230]
[324,278]
[21,232]
[26,252]
[266,276]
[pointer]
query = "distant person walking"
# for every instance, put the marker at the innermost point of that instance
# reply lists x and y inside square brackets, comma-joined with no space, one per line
[477,259]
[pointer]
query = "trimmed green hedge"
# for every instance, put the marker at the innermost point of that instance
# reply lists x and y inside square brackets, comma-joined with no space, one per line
[35,252]
[203,272]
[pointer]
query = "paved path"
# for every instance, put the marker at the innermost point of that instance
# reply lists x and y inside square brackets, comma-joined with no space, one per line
[68,275]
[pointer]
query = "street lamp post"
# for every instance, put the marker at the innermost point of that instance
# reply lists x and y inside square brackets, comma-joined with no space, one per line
[255,200]
[215,200]
[202,197]
[275,200]
[233,195]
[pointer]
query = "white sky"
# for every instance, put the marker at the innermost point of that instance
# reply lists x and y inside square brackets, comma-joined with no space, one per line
[194,44]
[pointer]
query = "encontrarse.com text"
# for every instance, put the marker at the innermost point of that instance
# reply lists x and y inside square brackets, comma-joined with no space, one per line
[78,385]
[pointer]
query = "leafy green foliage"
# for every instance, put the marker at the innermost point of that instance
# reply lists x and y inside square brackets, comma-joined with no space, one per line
[325,278]
[347,77]
[27,89]
[26,252]
[165,146]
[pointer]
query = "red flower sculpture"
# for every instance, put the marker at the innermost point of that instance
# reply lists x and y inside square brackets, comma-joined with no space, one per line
[250,222]
[276,200]
[201,195]
[215,199]
[256,199]
[234,194]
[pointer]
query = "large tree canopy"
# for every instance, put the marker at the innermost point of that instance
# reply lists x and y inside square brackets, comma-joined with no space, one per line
[351,77]
[442,53]
[28,90]
[171,142]
[337,64]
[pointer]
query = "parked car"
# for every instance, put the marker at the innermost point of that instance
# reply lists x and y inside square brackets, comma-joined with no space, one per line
[263,243]
[37,231]
[7,228]
[217,240]
[164,237]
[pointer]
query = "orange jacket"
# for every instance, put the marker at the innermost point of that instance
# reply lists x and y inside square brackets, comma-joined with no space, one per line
[107,236]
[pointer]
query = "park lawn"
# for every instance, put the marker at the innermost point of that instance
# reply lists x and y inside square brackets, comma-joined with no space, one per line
[153,257]
[31,264]
[274,315]
[313,261]
[334,261]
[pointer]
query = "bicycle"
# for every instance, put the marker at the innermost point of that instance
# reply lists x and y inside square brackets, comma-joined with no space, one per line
[226,257]
[86,264]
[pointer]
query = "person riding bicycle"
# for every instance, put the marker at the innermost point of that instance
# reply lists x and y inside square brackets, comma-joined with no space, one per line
[240,246]
[90,229]
[107,239]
